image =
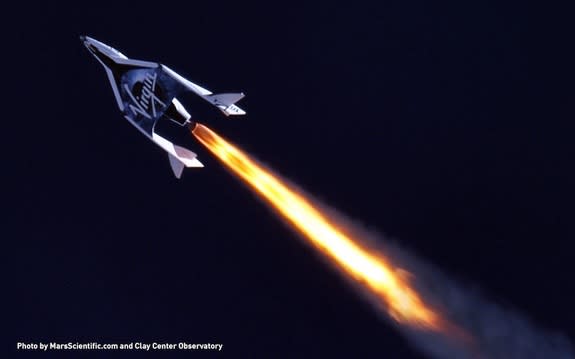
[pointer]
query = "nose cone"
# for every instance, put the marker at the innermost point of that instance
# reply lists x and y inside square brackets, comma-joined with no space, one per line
[92,46]
[104,53]
[96,46]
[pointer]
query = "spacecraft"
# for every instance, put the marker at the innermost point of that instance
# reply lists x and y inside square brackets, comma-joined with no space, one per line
[146,92]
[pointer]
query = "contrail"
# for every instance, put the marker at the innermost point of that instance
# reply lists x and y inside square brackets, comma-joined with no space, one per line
[440,316]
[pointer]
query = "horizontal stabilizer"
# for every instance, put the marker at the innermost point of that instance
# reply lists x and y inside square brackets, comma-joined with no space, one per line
[179,156]
[187,157]
[233,110]
[225,102]
[182,160]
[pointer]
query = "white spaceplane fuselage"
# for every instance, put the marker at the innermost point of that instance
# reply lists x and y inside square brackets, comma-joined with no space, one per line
[146,93]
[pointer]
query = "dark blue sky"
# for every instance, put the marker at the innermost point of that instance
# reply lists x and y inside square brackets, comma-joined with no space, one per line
[448,127]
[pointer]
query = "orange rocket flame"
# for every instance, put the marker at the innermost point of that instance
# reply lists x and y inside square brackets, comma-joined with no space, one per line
[384,281]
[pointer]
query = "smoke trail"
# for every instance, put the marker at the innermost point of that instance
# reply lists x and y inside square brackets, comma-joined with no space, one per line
[496,332]
[442,318]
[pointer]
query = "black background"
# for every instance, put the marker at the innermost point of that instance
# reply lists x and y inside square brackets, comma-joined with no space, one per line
[446,126]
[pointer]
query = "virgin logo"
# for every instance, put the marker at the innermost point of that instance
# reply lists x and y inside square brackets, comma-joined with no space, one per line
[146,103]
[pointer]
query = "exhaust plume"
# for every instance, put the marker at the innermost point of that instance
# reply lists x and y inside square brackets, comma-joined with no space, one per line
[439,316]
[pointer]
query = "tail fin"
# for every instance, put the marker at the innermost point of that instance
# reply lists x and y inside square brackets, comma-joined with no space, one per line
[226,101]
[177,165]
[182,158]
[179,156]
